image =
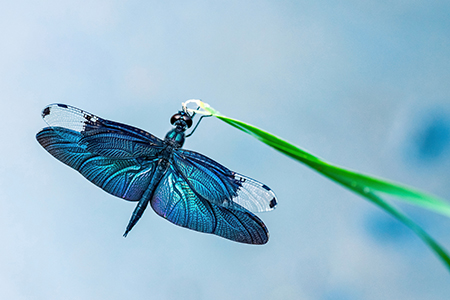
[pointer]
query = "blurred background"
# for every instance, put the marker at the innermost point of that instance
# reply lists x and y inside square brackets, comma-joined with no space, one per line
[362,84]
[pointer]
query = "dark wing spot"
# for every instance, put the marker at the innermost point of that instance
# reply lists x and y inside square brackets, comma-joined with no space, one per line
[241,179]
[266,187]
[87,117]
[46,111]
[272,203]
[62,105]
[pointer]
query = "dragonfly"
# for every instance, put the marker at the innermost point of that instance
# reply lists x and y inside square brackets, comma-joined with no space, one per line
[184,187]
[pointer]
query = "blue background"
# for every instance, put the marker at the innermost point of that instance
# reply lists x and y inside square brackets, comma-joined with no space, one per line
[363,84]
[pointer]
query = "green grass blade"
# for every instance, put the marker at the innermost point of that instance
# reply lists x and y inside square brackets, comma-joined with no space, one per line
[402,192]
[364,185]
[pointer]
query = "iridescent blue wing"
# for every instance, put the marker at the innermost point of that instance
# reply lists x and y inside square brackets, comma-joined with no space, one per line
[118,158]
[175,201]
[220,186]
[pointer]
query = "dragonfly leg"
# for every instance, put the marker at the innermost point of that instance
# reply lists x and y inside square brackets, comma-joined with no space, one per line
[196,125]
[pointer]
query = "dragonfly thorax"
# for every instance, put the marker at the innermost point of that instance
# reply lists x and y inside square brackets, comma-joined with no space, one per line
[175,137]
[181,121]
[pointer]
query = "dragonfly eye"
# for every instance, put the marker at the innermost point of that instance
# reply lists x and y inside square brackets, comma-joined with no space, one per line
[185,118]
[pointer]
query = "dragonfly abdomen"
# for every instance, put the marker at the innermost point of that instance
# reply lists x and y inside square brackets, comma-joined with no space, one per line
[161,169]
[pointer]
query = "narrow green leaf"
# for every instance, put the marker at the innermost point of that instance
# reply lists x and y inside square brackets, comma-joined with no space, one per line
[364,185]
[402,192]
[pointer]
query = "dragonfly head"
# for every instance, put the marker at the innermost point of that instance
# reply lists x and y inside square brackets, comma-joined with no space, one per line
[182,119]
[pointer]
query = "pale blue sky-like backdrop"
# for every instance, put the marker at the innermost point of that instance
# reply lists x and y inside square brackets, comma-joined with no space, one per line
[362,84]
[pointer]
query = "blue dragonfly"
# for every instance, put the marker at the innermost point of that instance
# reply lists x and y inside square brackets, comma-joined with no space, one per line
[182,186]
